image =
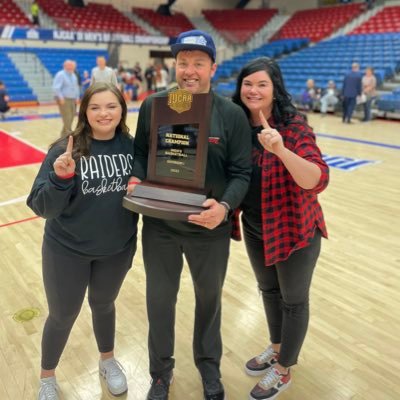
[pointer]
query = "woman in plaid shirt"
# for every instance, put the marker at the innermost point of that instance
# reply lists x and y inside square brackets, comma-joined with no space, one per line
[282,219]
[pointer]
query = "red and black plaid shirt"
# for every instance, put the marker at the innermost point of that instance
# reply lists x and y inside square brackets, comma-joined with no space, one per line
[290,214]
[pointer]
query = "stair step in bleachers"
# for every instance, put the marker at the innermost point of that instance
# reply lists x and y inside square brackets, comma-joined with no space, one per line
[170,25]
[11,14]
[52,59]
[17,88]
[238,25]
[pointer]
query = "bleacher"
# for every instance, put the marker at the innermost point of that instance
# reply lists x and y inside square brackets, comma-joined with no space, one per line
[229,68]
[386,20]
[326,60]
[317,24]
[389,103]
[17,88]
[169,25]
[53,59]
[238,25]
[92,17]
[331,60]
[11,14]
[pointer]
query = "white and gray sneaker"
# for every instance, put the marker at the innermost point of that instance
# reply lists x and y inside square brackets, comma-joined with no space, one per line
[260,364]
[112,371]
[48,389]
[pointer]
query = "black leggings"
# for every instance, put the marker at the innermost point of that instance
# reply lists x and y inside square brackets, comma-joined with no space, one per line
[285,291]
[66,277]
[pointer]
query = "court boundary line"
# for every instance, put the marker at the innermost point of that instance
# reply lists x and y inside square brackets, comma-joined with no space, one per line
[23,141]
[19,221]
[362,141]
[13,201]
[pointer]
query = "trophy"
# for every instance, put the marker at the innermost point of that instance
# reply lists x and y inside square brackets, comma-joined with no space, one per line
[177,160]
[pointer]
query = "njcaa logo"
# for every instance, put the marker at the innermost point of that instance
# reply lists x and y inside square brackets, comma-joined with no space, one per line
[180,100]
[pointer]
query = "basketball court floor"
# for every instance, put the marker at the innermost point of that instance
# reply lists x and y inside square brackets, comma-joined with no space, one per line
[352,350]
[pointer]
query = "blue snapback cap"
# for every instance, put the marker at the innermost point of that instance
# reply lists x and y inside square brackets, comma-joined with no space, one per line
[194,40]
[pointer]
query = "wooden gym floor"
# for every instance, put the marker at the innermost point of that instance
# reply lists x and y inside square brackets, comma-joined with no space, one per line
[352,350]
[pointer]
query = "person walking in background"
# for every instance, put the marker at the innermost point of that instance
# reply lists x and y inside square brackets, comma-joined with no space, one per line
[369,90]
[205,238]
[4,99]
[282,219]
[89,238]
[351,89]
[35,10]
[66,91]
[102,73]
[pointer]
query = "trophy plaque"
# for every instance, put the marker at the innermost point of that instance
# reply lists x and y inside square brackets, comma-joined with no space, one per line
[177,160]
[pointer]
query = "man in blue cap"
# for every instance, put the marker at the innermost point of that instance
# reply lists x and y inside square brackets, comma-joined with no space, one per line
[204,239]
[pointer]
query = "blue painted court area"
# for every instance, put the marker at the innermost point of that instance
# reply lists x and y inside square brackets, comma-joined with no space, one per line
[346,163]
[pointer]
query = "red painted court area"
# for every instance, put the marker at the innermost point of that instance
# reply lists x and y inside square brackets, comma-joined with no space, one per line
[14,152]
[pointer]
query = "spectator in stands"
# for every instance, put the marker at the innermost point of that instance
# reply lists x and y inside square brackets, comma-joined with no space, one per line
[4,99]
[282,219]
[102,73]
[35,13]
[149,76]
[351,89]
[90,239]
[204,238]
[66,91]
[329,97]
[310,95]
[160,77]
[369,90]
[85,81]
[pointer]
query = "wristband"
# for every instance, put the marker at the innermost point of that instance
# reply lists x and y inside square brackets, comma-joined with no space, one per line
[72,174]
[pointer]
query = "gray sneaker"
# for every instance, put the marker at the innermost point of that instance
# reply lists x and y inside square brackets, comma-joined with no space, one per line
[112,371]
[48,389]
[260,364]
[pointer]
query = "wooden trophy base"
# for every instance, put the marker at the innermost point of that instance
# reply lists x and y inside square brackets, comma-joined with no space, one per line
[167,202]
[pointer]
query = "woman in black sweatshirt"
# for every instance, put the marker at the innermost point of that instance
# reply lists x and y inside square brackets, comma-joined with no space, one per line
[89,238]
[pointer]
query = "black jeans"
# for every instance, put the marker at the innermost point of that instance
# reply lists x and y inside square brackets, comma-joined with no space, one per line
[285,291]
[207,259]
[66,277]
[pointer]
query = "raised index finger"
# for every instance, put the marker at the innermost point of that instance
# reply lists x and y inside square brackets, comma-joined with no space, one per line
[70,144]
[264,121]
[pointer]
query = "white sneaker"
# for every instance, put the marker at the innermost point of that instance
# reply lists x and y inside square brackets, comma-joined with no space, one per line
[112,371]
[48,389]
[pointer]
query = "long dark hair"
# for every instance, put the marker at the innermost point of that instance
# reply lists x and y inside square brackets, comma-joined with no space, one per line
[283,111]
[83,132]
